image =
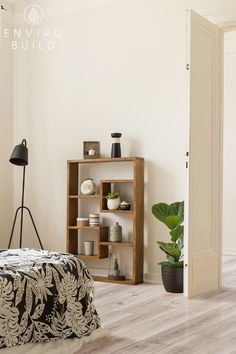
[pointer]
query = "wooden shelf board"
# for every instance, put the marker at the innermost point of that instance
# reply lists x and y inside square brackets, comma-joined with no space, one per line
[108,280]
[116,244]
[118,211]
[117,181]
[83,256]
[106,159]
[89,228]
[92,196]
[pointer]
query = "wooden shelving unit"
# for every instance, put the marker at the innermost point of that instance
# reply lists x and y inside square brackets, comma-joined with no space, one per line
[136,214]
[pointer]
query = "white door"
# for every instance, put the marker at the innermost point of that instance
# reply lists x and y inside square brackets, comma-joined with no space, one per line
[202,272]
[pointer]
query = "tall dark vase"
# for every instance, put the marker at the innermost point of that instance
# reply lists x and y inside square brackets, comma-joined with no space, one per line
[173,279]
[115,148]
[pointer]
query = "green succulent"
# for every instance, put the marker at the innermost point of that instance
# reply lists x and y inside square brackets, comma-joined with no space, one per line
[112,195]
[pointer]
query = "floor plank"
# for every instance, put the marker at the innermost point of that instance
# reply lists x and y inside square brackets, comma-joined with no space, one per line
[144,319]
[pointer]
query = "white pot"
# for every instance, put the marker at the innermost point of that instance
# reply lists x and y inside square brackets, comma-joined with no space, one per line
[113,204]
[88,248]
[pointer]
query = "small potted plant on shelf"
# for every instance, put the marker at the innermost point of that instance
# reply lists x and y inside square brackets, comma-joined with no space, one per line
[172,269]
[113,200]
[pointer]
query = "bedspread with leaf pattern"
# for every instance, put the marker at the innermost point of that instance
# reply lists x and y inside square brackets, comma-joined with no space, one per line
[44,296]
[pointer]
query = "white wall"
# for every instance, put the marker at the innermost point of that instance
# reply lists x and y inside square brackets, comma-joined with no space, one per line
[120,66]
[229,220]
[6,130]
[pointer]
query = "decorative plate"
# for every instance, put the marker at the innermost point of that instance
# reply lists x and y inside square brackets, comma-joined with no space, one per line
[88,187]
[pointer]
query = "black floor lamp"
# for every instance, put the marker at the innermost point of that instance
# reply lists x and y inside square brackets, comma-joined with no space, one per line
[19,157]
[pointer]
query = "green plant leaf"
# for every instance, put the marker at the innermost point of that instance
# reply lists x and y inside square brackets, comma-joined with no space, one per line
[177,233]
[170,259]
[165,263]
[172,221]
[180,243]
[171,215]
[112,195]
[161,211]
[177,209]
[171,249]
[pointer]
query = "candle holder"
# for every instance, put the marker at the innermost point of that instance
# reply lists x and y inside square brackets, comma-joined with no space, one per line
[91,150]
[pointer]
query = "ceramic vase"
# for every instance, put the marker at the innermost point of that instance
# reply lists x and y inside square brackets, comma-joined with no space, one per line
[88,248]
[115,233]
[113,204]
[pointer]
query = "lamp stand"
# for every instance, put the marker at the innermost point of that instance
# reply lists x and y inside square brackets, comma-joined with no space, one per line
[21,208]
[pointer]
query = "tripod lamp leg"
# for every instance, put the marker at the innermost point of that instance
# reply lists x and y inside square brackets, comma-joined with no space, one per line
[34,227]
[13,226]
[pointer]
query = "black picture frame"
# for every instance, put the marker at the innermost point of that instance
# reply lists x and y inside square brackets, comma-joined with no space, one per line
[91,145]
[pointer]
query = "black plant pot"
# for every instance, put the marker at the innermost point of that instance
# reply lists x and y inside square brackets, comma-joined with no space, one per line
[173,279]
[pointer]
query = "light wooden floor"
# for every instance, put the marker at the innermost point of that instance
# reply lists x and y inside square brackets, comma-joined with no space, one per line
[145,319]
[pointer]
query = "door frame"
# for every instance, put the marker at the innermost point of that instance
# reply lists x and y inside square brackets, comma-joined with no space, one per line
[226,21]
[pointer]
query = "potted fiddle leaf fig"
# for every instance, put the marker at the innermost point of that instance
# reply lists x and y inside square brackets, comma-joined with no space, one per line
[172,215]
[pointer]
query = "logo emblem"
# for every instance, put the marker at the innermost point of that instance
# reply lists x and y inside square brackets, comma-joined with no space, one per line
[33,15]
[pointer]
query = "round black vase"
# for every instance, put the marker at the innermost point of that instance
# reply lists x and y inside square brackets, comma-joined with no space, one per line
[173,279]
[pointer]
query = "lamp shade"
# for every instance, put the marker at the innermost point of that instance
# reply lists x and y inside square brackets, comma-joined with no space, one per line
[20,154]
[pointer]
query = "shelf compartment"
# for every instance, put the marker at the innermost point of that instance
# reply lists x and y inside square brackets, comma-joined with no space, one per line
[90,228]
[117,244]
[102,236]
[109,185]
[72,211]
[72,241]
[102,231]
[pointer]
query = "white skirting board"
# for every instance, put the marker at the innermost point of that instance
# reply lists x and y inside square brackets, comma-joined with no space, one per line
[62,346]
[229,252]
[153,278]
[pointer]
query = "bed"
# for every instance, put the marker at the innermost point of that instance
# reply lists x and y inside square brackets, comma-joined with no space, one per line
[44,296]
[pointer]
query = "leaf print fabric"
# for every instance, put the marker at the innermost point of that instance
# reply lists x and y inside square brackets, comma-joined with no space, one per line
[44,296]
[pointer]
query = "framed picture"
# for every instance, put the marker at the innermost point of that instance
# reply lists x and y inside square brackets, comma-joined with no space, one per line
[91,149]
